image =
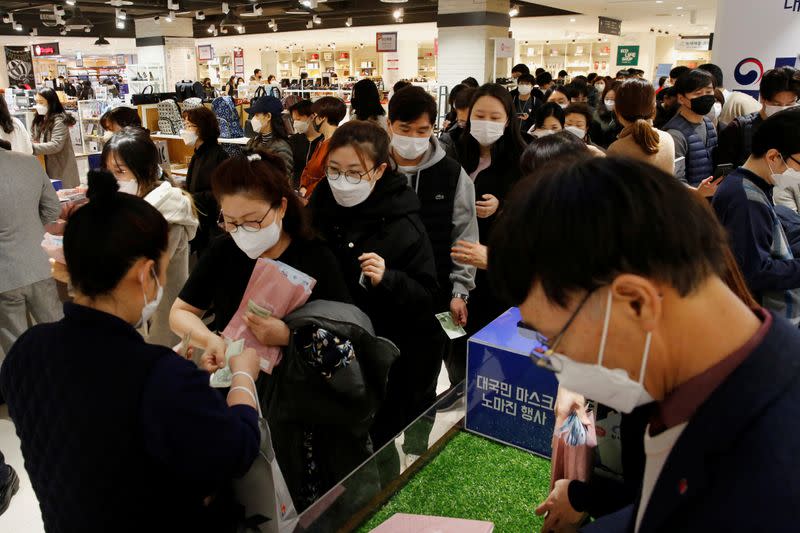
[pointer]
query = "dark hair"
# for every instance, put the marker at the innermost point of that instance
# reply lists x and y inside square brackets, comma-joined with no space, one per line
[521,68]
[563,73]
[256,71]
[577,88]
[232,80]
[239,78]
[470,82]
[678,71]
[278,126]
[205,121]
[624,73]
[451,98]
[581,78]
[122,116]
[43,123]
[508,148]
[271,77]
[265,179]
[366,101]
[400,85]
[715,72]
[5,117]
[369,140]
[544,78]
[580,109]
[330,108]
[613,86]
[693,80]
[539,71]
[566,91]
[781,131]
[412,103]
[636,103]
[591,77]
[5,145]
[636,203]
[464,98]
[561,145]
[662,80]
[778,80]
[303,108]
[137,150]
[549,109]
[106,236]
[526,78]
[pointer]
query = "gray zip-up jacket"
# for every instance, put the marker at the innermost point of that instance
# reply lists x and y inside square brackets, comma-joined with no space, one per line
[465,217]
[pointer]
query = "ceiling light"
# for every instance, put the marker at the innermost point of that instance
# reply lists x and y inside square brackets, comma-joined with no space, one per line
[199,15]
[58,10]
[394,1]
[6,18]
[62,30]
[121,13]
[101,41]
[275,27]
[157,19]
[348,22]
[170,16]
[120,24]
[659,1]
[173,5]
[225,7]
[34,32]
[211,29]
[77,21]
[271,23]
[317,19]
[398,13]
[119,3]
[679,8]
[311,4]
[240,29]
[87,29]
[572,20]
[230,19]
[70,2]
[309,24]
[513,12]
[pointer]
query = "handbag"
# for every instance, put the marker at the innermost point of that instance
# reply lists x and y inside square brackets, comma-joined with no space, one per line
[262,491]
[145,97]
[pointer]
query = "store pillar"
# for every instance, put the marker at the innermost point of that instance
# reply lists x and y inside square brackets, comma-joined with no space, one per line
[753,37]
[467,30]
[168,44]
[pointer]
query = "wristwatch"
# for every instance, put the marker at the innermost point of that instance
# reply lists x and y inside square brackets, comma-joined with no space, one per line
[461,295]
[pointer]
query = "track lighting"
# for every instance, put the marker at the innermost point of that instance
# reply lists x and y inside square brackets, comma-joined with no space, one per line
[199,15]
[398,13]
[317,19]
[348,22]
[514,11]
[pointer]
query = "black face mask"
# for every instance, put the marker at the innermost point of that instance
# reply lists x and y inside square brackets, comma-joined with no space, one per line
[702,105]
[317,127]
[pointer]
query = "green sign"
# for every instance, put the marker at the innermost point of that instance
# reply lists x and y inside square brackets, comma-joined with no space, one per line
[628,56]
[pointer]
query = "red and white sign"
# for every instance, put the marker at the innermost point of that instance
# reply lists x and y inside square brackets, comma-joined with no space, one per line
[45,49]
[386,41]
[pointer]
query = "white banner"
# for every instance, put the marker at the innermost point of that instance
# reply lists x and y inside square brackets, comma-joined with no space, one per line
[752,37]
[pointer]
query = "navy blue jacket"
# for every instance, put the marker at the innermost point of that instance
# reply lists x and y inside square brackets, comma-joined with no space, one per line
[117,434]
[699,155]
[738,457]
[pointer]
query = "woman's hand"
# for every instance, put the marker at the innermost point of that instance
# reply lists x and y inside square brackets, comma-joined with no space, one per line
[561,517]
[269,331]
[708,187]
[214,356]
[488,206]
[59,271]
[373,267]
[247,361]
[471,253]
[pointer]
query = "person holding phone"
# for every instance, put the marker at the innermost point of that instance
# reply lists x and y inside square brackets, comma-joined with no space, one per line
[525,103]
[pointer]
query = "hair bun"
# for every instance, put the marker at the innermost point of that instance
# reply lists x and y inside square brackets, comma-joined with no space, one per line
[102,184]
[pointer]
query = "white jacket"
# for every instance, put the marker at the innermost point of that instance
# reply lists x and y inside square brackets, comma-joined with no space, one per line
[19,137]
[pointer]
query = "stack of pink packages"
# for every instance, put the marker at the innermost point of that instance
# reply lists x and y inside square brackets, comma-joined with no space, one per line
[274,286]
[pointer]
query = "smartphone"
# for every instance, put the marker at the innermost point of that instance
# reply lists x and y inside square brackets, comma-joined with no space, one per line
[363,281]
[721,171]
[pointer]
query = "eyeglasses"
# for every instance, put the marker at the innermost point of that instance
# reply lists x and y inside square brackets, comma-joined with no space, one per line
[250,225]
[353,177]
[540,355]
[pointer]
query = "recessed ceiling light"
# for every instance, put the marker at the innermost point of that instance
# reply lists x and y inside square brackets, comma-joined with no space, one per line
[679,8]
[572,20]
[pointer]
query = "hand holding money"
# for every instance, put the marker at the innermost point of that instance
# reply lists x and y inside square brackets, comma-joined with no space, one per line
[268,331]
[223,376]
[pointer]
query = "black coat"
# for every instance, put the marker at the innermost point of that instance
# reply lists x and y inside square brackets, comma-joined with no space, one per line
[204,162]
[302,150]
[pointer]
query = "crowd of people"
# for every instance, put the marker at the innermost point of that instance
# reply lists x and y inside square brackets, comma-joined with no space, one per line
[660,211]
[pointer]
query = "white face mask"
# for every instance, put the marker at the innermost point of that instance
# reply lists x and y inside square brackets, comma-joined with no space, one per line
[349,194]
[487,132]
[41,109]
[580,133]
[257,124]
[600,87]
[410,147]
[525,90]
[129,187]
[149,308]
[789,178]
[542,133]
[563,106]
[610,104]
[613,388]
[189,137]
[255,243]
[107,135]
[772,109]
[715,112]
[300,126]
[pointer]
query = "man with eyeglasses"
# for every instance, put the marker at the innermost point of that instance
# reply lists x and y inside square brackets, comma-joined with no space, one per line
[626,289]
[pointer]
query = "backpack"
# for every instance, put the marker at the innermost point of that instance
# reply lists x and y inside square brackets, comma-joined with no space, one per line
[748,129]
[225,109]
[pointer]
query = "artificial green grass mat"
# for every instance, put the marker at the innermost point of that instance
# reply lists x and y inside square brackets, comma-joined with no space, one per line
[478,479]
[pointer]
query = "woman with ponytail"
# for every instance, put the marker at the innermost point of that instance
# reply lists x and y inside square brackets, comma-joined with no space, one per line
[635,107]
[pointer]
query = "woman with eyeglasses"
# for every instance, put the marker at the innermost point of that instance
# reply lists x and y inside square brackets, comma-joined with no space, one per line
[370,219]
[262,217]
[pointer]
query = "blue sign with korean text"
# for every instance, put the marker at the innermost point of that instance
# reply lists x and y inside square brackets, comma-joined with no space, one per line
[509,398]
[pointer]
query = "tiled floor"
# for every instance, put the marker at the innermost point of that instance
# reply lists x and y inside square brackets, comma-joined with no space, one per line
[23,516]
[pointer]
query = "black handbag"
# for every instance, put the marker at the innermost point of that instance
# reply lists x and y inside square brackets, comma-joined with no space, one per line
[145,97]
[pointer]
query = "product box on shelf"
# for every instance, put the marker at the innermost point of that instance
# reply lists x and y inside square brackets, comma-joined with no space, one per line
[509,398]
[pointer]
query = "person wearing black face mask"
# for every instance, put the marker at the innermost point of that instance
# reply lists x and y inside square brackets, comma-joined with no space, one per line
[694,133]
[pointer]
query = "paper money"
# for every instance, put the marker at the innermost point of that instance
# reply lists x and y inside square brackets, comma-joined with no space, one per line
[222,378]
[258,310]
[453,330]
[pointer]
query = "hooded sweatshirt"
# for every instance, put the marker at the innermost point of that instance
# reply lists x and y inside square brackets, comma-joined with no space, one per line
[464,221]
[177,209]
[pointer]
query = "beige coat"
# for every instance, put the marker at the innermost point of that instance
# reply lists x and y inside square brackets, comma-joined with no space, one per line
[59,157]
[663,159]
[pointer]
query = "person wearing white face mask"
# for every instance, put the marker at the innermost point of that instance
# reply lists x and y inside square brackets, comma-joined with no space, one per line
[266,117]
[132,158]
[149,400]
[779,90]
[525,103]
[201,133]
[650,317]
[744,205]
[51,138]
[369,217]
[549,120]
[305,139]
[445,191]
[117,118]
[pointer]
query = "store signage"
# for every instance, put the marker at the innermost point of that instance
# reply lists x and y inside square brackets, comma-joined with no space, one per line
[205,52]
[314,57]
[792,5]
[238,62]
[628,56]
[19,65]
[503,48]
[45,49]
[386,41]
[344,55]
[509,399]
[609,26]
[702,43]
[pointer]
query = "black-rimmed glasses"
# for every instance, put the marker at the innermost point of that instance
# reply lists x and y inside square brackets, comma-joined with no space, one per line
[248,225]
[353,177]
[541,354]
